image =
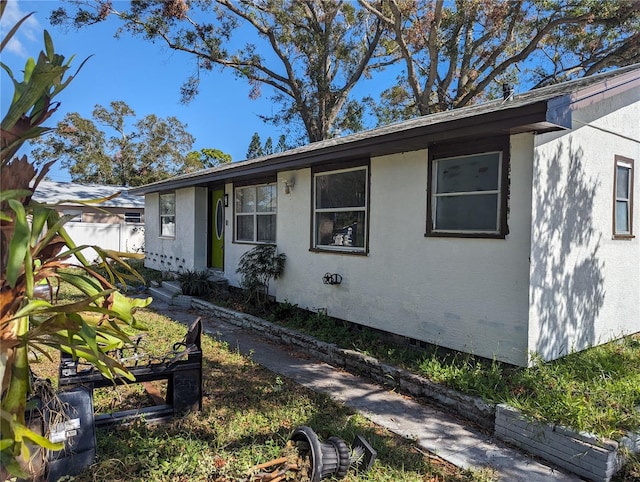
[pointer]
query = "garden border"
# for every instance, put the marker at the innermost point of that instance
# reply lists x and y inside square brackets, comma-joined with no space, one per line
[584,454]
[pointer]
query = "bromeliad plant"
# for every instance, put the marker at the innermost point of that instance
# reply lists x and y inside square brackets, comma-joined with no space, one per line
[36,250]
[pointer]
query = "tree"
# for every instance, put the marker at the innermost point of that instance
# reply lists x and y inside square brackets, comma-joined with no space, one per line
[268,147]
[255,147]
[205,158]
[458,53]
[282,144]
[311,54]
[151,150]
[35,249]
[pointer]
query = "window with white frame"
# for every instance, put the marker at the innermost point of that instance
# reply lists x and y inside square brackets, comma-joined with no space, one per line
[468,194]
[168,215]
[623,198]
[255,213]
[340,209]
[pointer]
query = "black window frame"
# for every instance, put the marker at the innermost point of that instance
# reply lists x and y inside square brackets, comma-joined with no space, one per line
[469,148]
[337,168]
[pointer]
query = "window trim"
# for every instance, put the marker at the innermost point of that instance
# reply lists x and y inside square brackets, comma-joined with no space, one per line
[473,147]
[621,161]
[335,168]
[254,214]
[175,220]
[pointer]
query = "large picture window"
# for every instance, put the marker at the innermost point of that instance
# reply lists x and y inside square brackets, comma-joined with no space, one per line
[340,209]
[255,213]
[623,198]
[468,194]
[168,215]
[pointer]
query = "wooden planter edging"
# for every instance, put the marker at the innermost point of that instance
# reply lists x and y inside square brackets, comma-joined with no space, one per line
[583,454]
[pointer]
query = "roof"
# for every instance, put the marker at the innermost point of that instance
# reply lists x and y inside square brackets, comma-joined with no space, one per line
[75,194]
[539,110]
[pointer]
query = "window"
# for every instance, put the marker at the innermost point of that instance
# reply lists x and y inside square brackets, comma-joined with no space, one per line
[76,213]
[340,209]
[168,215]
[468,194]
[132,217]
[255,213]
[623,198]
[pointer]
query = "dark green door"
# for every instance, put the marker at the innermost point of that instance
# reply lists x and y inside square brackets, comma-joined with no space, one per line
[217,229]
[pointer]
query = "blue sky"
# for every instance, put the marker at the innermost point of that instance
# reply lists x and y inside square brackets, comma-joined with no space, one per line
[146,76]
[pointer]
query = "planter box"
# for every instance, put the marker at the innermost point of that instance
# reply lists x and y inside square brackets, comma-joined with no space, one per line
[583,454]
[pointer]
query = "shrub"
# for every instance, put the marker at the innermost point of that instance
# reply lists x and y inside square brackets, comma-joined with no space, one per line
[257,267]
[195,283]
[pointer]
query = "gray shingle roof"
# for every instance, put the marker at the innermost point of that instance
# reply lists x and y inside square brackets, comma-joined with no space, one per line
[70,193]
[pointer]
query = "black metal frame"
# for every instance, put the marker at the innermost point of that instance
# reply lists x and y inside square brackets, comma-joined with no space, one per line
[182,370]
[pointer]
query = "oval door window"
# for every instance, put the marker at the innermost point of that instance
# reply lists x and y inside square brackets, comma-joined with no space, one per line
[219,219]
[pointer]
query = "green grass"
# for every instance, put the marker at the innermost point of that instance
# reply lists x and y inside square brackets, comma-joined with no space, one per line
[248,415]
[595,390]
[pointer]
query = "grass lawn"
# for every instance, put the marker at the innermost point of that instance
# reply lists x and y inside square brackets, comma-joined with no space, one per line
[249,412]
[248,415]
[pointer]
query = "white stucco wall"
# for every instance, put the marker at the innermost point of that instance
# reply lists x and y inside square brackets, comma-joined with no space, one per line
[466,294]
[188,250]
[585,285]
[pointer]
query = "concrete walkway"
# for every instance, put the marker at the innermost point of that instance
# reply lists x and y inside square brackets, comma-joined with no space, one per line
[433,429]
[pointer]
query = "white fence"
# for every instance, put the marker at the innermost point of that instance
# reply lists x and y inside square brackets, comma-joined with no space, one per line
[127,237]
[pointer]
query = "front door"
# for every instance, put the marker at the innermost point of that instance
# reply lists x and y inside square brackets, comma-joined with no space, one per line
[216,254]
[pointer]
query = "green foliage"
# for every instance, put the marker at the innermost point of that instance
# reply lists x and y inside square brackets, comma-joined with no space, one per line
[595,390]
[195,282]
[257,267]
[204,159]
[34,251]
[150,150]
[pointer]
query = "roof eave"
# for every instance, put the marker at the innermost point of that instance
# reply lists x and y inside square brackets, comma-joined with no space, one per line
[526,118]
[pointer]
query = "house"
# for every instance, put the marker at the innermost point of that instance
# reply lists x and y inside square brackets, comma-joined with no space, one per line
[114,223]
[506,229]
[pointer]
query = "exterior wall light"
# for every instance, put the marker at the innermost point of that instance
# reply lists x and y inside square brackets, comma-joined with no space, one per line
[288,185]
[226,200]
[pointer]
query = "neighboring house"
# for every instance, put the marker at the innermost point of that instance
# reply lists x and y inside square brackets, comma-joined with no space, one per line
[116,224]
[506,230]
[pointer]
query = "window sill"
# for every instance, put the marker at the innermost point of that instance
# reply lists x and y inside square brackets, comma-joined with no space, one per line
[338,251]
[444,234]
[623,237]
[272,243]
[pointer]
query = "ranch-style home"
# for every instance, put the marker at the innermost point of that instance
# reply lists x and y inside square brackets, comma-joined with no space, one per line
[506,229]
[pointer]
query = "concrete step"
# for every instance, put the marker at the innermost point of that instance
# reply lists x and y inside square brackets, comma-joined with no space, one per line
[172,287]
[169,296]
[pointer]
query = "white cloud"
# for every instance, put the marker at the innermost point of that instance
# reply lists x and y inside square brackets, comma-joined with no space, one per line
[30,31]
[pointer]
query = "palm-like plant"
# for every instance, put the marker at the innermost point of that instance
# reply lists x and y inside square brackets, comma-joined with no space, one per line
[35,249]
